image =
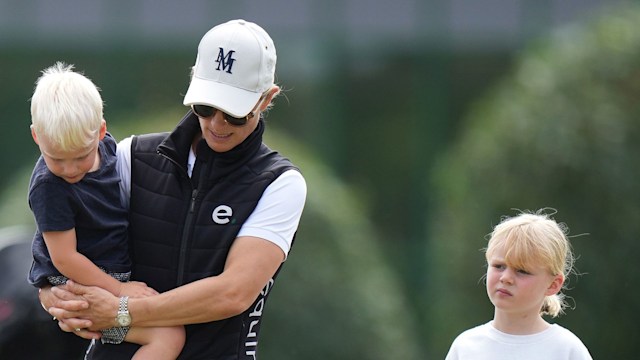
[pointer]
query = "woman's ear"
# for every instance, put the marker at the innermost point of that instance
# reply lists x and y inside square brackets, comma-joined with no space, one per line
[269,97]
[556,285]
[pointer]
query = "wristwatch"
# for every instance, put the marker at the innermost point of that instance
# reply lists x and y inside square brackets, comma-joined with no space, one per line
[123,318]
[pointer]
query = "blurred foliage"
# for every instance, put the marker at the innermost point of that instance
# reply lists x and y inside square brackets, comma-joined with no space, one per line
[337,296]
[561,131]
[14,209]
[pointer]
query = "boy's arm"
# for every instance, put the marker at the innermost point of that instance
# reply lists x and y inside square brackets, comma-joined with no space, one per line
[72,264]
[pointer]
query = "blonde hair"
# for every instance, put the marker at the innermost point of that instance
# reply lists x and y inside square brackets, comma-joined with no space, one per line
[535,239]
[66,108]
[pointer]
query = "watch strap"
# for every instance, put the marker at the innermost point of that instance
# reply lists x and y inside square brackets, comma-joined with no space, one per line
[124,305]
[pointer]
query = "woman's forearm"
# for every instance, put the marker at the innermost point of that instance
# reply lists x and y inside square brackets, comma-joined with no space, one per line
[198,302]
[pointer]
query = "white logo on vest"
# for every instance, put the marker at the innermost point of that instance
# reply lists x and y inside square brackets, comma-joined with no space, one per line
[221,214]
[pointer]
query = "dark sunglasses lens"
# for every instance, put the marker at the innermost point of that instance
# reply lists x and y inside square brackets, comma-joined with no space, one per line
[234,120]
[203,110]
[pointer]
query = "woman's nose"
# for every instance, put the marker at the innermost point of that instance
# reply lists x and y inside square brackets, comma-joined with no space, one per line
[217,117]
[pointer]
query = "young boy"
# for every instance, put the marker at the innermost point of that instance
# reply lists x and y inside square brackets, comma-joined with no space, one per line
[74,194]
[528,258]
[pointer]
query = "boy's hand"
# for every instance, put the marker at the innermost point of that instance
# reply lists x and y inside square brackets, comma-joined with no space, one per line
[136,289]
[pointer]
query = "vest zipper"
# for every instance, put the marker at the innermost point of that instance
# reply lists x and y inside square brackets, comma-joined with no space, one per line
[186,231]
[186,234]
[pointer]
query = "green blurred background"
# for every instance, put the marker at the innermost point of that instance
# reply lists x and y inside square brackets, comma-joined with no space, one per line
[417,124]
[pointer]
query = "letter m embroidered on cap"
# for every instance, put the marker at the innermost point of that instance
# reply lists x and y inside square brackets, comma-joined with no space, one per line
[225,62]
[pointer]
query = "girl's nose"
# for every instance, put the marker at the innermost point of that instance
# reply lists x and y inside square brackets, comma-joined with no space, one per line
[507,276]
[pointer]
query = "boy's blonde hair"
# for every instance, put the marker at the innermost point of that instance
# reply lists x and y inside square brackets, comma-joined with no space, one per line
[66,108]
[535,239]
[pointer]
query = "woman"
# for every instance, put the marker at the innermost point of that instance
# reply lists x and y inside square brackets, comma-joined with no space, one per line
[213,210]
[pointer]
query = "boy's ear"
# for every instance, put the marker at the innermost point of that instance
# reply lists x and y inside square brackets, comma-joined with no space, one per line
[556,285]
[103,129]
[33,135]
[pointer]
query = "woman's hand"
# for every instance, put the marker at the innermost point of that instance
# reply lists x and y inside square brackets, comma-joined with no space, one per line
[54,298]
[89,308]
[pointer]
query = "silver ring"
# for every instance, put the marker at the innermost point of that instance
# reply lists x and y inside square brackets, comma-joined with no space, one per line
[77,329]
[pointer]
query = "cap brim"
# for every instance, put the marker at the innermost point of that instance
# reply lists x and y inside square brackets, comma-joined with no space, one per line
[232,100]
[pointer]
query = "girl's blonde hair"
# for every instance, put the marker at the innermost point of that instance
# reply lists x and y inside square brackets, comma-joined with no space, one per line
[535,239]
[66,108]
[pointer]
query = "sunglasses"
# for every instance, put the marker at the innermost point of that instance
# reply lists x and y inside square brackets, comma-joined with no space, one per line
[205,111]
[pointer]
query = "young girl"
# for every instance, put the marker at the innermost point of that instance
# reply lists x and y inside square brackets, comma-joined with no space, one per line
[528,258]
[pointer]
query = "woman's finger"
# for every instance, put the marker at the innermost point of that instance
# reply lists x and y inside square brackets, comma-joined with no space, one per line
[74,326]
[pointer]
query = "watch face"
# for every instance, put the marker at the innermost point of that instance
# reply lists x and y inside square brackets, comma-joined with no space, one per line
[124,319]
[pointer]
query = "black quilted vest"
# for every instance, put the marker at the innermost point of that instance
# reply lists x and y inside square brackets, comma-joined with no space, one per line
[180,230]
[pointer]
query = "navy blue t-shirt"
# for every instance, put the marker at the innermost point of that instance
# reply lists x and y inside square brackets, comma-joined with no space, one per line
[92,206]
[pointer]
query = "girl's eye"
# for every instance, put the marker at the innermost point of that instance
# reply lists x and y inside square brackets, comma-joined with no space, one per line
[521,271]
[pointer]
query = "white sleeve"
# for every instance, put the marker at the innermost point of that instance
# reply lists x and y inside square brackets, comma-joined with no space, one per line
[277,215]
[123,166]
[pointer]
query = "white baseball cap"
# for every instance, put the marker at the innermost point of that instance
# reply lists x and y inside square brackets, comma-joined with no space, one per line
[236,63]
